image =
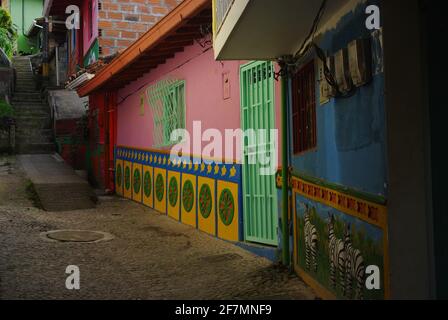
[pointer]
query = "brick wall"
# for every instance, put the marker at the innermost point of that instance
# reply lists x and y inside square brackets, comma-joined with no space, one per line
[121,22]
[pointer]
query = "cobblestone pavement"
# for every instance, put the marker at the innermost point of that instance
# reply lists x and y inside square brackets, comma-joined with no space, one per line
[150,257]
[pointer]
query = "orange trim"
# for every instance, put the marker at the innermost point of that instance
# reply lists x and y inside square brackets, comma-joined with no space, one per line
[175,19]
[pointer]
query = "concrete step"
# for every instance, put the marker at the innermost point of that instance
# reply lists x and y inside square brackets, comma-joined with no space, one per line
[26,76]
[26,91]
[24,137]
[58,186]
[32,114]
[23,133]
[31,140]
[30,107]
[33,123]
[26,88]
[25,82]
[17,96]
[35,148]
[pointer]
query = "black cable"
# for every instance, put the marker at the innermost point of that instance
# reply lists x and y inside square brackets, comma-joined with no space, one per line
[312,32]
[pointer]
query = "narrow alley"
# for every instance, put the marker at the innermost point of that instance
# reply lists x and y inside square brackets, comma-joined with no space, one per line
[150,256]
[222,150]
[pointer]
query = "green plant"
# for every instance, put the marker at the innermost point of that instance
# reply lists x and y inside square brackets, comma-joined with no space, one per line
[6,114]
[32,194]
[8,34]
[6,109]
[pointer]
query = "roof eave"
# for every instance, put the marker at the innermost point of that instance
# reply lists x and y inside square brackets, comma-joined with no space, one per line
[150,39]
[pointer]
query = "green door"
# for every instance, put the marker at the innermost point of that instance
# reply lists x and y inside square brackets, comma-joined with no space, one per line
[259,191]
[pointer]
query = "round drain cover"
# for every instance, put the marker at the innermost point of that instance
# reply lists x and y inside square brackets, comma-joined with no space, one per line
[77,236]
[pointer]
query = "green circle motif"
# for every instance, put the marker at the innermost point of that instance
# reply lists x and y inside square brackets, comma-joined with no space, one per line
[205,201]
[147,184]
[137,181]
[127,178]
[119,175]
[188,196]
[160,187]
[226,207]
[173,192]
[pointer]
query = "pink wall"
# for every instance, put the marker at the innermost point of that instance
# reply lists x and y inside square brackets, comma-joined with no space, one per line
[204,97]
[86,18]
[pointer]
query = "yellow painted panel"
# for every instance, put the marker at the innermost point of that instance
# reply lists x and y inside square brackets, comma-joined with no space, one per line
[227,198]
[160,190]
[173,194]
[119,177]
[206,205]
[127,181]
[148,186]
[188,198]
[137,178]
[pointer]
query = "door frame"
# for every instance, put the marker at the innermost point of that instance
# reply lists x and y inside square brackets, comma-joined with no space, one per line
[272,120]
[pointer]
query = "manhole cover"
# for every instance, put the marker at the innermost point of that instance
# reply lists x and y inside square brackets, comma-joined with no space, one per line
[83,236]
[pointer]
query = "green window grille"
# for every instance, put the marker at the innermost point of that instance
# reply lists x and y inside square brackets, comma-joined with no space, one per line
[167,101]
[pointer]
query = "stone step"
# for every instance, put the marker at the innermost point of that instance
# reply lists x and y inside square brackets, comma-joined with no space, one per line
[35,148]
[26,88]
[29,132]
[22,96]
[26,91]
[25,82]
[39,138]
[32,114]
[33,123]
[33,99]
[20,109]
[33,140]
[29,105]
[22,75]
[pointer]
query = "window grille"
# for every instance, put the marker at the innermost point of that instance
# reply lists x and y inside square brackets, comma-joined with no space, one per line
[304,109]
[167,101]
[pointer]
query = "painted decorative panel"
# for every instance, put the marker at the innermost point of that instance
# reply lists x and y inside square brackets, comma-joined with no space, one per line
[160,191]
[119,177]
[127,181]
[174,192]
[188,199]
[227,211]
[199,184]
[137,182]
[148,186]
[206,205]
[338,236]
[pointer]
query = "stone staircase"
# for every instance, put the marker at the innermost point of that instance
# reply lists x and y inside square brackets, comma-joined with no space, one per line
[34,134]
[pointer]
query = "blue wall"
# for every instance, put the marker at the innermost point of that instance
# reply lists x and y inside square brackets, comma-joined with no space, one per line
[351,133]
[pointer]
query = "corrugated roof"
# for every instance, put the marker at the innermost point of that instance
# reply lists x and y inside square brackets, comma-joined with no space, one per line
[170,35]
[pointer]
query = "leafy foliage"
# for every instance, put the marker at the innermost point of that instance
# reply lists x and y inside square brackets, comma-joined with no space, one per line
[5,109]
[8,35]
[6,114]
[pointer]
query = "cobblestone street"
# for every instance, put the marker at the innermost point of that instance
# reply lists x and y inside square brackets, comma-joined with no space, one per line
[150,256]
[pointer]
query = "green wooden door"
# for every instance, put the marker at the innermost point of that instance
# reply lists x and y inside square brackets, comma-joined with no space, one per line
[259,191]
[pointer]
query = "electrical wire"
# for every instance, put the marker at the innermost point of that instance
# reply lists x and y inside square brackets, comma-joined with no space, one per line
[291,64]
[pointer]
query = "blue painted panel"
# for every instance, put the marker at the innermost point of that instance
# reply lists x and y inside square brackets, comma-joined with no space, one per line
[351,132]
